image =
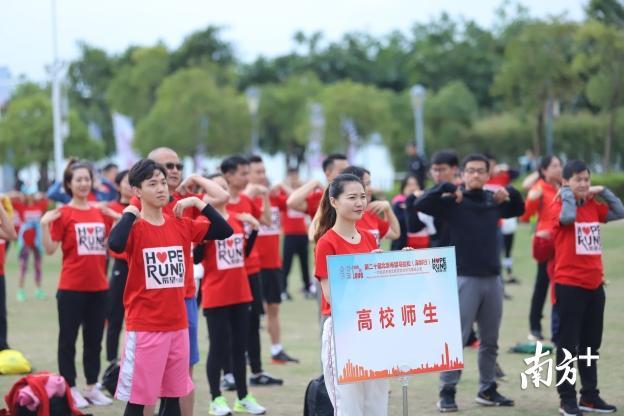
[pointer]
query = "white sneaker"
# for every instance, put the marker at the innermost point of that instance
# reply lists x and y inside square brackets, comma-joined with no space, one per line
[79,401]
[219,407]
[249,405]
[97,398]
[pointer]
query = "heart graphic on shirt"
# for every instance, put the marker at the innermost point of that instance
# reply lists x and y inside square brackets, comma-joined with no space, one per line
[162,256]
[90,230]
[586,230]
[230,243]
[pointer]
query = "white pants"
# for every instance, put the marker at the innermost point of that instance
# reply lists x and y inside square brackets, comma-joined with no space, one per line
[368,398]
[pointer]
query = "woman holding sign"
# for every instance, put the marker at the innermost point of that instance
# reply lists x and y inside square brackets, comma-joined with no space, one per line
[80,230]
[342,206]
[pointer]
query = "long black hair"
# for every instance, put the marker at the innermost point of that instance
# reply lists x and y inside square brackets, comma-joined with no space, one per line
[327,213]
[544,163]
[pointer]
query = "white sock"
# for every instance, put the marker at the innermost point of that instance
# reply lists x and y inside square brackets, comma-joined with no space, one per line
[275,349]
[507,262]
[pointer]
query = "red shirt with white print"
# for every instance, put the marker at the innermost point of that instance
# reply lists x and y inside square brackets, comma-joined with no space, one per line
[225,278]
[246,205]
[578,246]
[332,244]
[268,240]
[191,212]
[375,225]
[82,234]
[159,265]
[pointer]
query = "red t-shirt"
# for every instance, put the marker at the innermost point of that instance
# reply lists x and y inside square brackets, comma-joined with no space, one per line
[192,213]
[313,201]
[498,181]
[293,221]
[578,247]
[159,265]
[117,207]
[245,204]
[225,278]
[82,233]
[268,240]
[29,214]
[375,225]
[330,244]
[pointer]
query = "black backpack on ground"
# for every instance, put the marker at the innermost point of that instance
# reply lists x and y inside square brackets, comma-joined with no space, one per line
[317,401]
[110,377]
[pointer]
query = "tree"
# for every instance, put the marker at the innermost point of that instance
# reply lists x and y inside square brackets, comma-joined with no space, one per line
[133,89]
[201,47]
[193,114]
[284,113]
[89,76]
[449,113]
[365,106]
[601,60]
[26,132]
[609,12]
[537,68]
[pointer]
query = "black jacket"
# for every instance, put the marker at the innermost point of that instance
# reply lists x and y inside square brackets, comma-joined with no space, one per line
[472,224]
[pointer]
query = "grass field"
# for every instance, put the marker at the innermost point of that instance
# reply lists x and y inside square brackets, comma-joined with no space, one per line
[33,330]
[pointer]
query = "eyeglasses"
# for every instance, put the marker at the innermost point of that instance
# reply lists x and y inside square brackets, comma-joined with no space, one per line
[470,171]
[178,166]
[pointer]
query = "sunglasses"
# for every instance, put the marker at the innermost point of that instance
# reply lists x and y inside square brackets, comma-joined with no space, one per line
[178,166]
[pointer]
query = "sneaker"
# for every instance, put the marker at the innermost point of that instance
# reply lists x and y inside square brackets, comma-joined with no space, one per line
[219,407]
[265,379]
[507,296]
[97,398]
[569,408]
[312,289]
[40,294]
[491,397]
[79,401]
[283,358]
[228,383]
[500,374]
[248,405]
[596,405]
[512,280]
[535,336]
[447,404]
[21,295]
[286,296]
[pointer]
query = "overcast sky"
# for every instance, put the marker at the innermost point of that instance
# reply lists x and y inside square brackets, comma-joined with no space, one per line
[254,27]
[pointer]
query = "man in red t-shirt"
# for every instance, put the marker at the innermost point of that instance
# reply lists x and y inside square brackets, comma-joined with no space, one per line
[578,278]
[308,197]
[157,246]
[235,170]
[179,189]
[267,244]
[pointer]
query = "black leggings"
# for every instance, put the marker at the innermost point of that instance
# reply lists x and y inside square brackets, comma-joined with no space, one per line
[75,309]
[508,240]
[296,244]
[115,312]
[3,315]
[169,406]
[540,290]
[227,328]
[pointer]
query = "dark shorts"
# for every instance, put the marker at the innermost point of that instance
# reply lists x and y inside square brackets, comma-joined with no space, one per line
[255,285]
[272,285]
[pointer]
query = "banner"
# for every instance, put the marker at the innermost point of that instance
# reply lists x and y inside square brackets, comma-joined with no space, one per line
[124,134]
[395,314]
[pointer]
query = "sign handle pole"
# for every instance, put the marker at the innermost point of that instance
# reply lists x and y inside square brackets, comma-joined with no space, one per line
[404,383]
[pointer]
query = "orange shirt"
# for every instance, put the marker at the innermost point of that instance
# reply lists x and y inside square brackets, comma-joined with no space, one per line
[541,206]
